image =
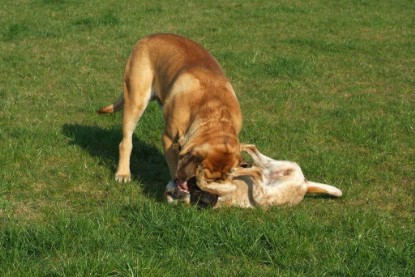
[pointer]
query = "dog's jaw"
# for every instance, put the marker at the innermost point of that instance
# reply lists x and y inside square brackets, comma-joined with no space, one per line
[182,185]
[175,195]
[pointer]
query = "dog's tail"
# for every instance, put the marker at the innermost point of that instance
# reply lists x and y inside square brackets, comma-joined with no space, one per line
[323,188]
[116,106]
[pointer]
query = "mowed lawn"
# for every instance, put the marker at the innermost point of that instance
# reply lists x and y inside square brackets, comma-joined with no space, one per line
[327,84]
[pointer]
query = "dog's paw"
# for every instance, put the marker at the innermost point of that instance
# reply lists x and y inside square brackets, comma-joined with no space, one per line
[230,175]
[123,178]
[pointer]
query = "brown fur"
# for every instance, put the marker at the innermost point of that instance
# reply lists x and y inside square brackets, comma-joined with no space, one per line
[201,112]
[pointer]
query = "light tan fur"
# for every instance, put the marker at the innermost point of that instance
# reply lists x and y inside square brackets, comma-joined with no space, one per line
[268,183]
[201,112]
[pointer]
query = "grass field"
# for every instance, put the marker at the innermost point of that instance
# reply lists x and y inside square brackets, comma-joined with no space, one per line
[328,84]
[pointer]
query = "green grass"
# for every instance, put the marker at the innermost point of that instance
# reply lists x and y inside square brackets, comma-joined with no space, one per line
[329,85]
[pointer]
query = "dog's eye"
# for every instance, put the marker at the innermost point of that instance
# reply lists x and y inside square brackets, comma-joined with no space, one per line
[184,156]
[245,165]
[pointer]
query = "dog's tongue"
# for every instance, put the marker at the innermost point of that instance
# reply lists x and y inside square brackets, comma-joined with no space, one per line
[182,185]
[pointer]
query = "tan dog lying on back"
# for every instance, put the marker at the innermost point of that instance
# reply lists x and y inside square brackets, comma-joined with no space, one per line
[201,112]
[267,183]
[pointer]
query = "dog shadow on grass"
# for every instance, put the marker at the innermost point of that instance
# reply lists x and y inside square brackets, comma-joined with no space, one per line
[147,162]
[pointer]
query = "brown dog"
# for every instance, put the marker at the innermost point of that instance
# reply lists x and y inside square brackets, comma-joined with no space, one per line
[267,183]
[201,112]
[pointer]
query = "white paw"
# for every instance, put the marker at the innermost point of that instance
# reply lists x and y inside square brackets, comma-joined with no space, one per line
[123,178]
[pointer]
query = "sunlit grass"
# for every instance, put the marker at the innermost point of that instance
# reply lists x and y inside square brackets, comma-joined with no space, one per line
[329,85]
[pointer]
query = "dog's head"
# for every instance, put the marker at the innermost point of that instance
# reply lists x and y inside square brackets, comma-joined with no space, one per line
[216,159]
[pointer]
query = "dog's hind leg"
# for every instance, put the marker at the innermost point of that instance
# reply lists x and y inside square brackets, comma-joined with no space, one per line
[137,87]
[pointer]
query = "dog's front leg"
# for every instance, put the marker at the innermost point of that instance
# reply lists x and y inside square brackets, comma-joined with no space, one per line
[171,155]
[260,159]
[254,172]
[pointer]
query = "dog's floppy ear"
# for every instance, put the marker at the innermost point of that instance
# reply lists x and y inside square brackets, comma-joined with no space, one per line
[200,151]
[189,158]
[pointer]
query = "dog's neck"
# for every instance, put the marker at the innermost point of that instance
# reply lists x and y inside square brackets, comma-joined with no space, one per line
[191,132]
[183,140]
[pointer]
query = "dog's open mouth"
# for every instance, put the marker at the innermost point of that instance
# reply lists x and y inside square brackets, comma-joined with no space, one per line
[182,185]
[181,190]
